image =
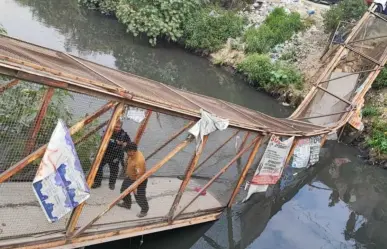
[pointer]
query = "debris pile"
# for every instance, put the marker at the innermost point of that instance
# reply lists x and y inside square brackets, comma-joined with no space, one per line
[305,48]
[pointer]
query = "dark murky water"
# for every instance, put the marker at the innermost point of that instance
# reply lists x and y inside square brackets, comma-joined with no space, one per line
[337,204]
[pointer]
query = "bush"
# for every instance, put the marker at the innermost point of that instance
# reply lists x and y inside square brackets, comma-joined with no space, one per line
[210,28]
[345,10]
[107,7]
[261,72]
[381,80]
[370,111]
[157,18]
[19,106]
[378,138]
[2,30]
[277,28]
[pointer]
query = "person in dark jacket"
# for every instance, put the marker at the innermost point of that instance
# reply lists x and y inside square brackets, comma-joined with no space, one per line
[113,156]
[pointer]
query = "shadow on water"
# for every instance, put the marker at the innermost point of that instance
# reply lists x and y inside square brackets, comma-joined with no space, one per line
[341,203]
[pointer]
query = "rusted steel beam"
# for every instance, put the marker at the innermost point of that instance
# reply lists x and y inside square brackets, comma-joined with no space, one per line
[142,127]
[340,77]
[362,54]
[325,115]
[96,164]
[173,137]
[39,152]
[244,141]
[33,134]
[97,237]
[243,114]
[334,95]
[59,73]
[91,69]
[215,151]
[294,145]
[245,170]
[134,186]
[379,16]
[91,132]
[190,169]
[213,179]
[331,64]
[323,140]
[9,85]
[182,96]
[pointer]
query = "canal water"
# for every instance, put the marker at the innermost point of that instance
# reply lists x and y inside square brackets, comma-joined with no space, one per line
[341,203]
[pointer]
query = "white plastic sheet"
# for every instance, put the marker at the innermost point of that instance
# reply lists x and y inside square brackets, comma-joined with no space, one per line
[135,114]
[301,154]
[271,165]
[59,183]
[208,123]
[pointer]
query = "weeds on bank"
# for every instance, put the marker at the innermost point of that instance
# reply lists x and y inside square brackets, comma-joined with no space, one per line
[370,111]
[378,137]
[381,80]
[2,30]
[276,29]
[345,10]
[261,72]
[209,28]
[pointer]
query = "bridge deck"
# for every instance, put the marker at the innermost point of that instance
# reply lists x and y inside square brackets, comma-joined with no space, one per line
[38,64]
[17,200]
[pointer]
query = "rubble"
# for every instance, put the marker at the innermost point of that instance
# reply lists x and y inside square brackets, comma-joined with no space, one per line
[307,46]
[303,50]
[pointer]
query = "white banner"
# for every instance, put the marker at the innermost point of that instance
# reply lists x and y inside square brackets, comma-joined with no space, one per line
[301,154]
[315,145]
[59,183]
[271,165]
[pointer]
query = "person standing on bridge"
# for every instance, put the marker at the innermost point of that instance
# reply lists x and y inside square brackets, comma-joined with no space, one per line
[134,170]
[113,156]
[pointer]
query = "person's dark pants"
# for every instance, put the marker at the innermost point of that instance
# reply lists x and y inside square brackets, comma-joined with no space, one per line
[140,196]
[113,162]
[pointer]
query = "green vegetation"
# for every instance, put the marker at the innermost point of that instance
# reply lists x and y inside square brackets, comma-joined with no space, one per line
[157,18]
[19,106]
[345,10]
[2,30]
[277,28]
[381,80]
[107,7]
[370,111]
[378,138]
[261,72]
[209,28]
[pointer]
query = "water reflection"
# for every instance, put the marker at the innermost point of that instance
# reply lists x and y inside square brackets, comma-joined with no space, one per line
[63,25]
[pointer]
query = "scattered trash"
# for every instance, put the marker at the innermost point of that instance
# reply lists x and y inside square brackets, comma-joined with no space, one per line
[285,104]
[311,12]
[341,161]
[197,189]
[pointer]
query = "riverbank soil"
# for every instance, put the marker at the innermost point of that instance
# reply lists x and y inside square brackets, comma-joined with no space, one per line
[303,50]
